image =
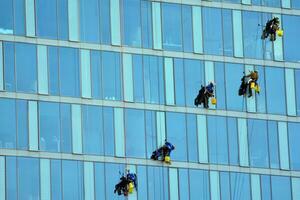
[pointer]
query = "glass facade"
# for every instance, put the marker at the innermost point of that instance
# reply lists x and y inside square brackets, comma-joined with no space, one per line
[89,88]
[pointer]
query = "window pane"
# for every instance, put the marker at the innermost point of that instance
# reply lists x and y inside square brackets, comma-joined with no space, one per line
[192,137]
[183,184]
[281,188]
[62,16]
[142,182]
[99,181]
[187,28]
[135,133]
[199,185]
[26,67]
[228,32]
[290,39]
[96,74]
[6,17]
[9,66]
[53,70]
[105,21]
[22,124]
[138,82]
[240,186]
[233,141]
[8,123]
[19,15]
[273,144]
[225,185]
[11,178]
[108,130]
[158,183]
[220,82]
[111,179]
[261,98]
[179,82]
[265,187]
[66,128]
[294,140]
[297,80]
[146,24]
[150,132]
[56,180]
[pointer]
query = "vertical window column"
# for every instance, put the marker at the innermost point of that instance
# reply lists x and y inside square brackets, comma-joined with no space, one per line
[283,146]
[115,22]
[156,24]
[251,103]
[33,126]
[296,188]
[255,187]
[173,180]
[214,185]
[1,68]
[277,45]
[119,132]
[42,69]
[202,138]
[73,18]
[2,178]
[128,77]
[45,179]
[161,128]
[286,3]
[210,76]
[30,18]
[290,92]
[243,142]
[85,59]
[89,184]
[197,29]
[237,33]
[133,195]
[169,81]
[76,129]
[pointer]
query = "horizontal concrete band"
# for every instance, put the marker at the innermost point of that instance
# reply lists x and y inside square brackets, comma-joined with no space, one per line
[131,50]
[147,162]
[154,107]
[210,3]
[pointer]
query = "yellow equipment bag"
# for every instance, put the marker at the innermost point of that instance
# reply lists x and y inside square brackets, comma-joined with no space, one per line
[252,85]
[280,32]
[213,101]
[257,89]
[167,159]
[130,187]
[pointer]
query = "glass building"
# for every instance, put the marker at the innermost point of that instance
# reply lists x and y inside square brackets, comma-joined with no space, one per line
[90,88]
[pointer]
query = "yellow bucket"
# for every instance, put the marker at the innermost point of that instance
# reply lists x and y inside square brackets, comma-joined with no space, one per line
[252,85]
[213,101]
[130,187]
[280,32]
[257,89]
[167,159]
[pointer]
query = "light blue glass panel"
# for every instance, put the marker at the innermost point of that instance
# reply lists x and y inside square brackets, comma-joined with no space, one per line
[89,184]
[271,3]
[199,185]
[96,74]
[62,16]
[183,184]
[191,128]
[202,138]
[296,188]
[128,77]
[73,16]
[146,14]
[112,177]
[228,32]
[173,180]
[217,140]
[251,102]
[158,183]
[258,143]
[11,178]
[1,68]
[115,22]
[281,188]
[2,178]
[179,82]
[294,147]
[209,77]
[138,81]
[187,28]
[283,145]
[214,185]
[49,126]
[273,144]
[66,127]
[225,185]
[72,180]
[76,129]
[176,134]
[233,141]
[295,4]
[19,17]
[99,181]
[9,66]
[142,182]
[265,187]
[297,82]
[53,69]
[26,67]
[161,128]
[33,126]
[172,27]
[275,89]
[243,142]
[6,17]
[42,65]
[30,18]
[197,29]
[89,21]
[261,98]
[290,39]
[8,124]
[28,169]
[131,16]
[45,179]
[240,186]
[169,81]
[135,133]
[151,137]
[237,33]
[246,2]
[220,85]
[22,124]
[92,130]
[56,180]
[156,24]
[46,18]
[108,131]
[86,90]
[290,92]
[278,46]
[105,22]
[255,187]
[213,43]
[119,132]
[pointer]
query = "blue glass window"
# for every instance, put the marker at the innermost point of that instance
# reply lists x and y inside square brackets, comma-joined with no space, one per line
[135,133]
[187,28]
[271,3]
[105,21]
[179,82]
[142,182]
[11,178]
[111,178]
[53,70]
[132,23]
[171,27]
[56,190]
[6,17]
[273,144]
[265,187]
[258,143]
[99,181]
[111,76]
[261,98]
[275,89]
[96,73]
[290,39]
[217,140]
[295,4]
[183,184]
[228,32]
[240,186]
[199,185]
[225,185]
[138,82]
[22,124]
[220,88]
[294,139]
[191,129]
[150,126]
[92,130]
[8,123]
[89,21]
[297,82]
[176,134]
[9,66]
[157,183]
[66,128]
[69,72]
[19,17]
[212,31]
[146,24]
[233,141]
[62,16]
[281,188]
[26,67]
[108,130]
